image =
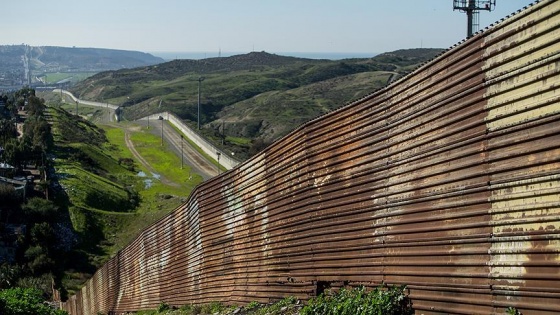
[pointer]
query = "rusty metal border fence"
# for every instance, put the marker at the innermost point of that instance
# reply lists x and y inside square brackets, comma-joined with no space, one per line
[447,180]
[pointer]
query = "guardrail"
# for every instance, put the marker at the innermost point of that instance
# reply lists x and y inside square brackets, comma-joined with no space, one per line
[448,180]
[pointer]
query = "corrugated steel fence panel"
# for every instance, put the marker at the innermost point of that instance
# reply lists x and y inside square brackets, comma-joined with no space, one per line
[447,181]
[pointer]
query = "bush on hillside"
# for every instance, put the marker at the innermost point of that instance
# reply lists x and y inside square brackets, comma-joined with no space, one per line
[20,301]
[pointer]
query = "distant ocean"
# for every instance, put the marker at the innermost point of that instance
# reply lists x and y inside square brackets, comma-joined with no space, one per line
[311,55]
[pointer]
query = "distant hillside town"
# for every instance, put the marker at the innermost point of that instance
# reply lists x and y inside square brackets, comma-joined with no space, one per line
[24,65]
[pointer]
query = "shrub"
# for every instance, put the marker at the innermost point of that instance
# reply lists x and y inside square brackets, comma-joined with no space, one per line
[288,305]
[162,307]
[213,307]
[387,301]
[19,301]
[9,274]
[40,210]
[512,311]
[252,305]
[191,309]
[127,163]
[9,196]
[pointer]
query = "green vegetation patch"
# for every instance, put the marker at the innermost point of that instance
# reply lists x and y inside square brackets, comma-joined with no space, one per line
[165,163]
[115,137]
[88,190]
[384,300]
[107,201]
[390,300]
[20,301]
[70,77]
[239,140]
[84,111]
[286,306]
[69,128]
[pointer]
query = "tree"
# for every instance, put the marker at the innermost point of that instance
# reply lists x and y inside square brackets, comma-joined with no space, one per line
[9,274]
[23,94]
[40,210]
[8,195]
[35,106]
[14,152]
[38,130]
[38,260]
[11,104]
[7,131]
[43,234]
[10,201]
[20,301]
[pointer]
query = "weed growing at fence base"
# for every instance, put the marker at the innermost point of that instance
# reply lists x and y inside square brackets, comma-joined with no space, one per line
[286,306]
[382,300]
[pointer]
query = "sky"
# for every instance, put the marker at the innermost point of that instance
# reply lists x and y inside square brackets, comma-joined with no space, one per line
[275,26]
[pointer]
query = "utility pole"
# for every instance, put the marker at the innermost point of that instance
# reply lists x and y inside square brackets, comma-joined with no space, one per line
[472,8]
[200,79]
[181,151]
[161,131]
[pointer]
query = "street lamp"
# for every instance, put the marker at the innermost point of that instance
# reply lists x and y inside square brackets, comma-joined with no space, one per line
[161,118]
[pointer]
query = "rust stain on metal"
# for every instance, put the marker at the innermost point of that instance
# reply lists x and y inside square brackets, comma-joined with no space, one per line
[447,181]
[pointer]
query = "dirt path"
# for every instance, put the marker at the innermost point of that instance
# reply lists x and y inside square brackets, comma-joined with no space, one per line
[145,163]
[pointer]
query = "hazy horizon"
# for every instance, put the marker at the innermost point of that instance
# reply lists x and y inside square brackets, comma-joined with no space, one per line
[172,55]
[358,26]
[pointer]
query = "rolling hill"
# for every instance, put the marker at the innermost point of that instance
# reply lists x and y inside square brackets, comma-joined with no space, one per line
[250,98]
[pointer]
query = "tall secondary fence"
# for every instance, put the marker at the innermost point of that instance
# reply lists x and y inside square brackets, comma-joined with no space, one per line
[447,181]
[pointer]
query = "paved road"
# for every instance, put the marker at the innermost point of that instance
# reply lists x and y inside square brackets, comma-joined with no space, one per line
[191,156]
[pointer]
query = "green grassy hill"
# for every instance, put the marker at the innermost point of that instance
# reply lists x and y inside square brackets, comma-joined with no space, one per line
[110,197]
[252,96]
